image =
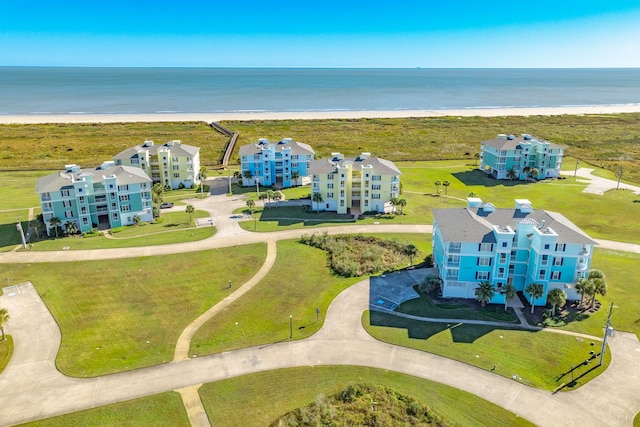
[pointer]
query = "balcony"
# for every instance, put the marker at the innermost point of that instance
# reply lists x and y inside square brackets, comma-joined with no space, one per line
[581,267]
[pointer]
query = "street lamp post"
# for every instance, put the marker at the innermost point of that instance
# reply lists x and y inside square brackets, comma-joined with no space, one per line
[608,330]
[575,172]
[229,176]
[290,326]
[619,176]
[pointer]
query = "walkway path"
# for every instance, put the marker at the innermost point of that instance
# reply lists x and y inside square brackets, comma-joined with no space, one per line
[31,388]
[599,185]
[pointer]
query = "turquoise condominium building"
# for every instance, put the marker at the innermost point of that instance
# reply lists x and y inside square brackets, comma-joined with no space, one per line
[282,164]
[518,246]
[173,164]
[511,157]
[107,196]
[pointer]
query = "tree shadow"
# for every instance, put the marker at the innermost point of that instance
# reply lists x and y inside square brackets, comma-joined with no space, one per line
[415,329]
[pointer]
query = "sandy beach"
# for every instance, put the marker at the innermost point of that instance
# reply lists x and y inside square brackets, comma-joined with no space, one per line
[315,115]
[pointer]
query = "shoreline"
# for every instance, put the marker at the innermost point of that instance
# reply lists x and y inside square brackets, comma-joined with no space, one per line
[315,115]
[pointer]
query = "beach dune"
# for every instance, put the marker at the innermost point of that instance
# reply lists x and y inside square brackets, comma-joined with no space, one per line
[315,115]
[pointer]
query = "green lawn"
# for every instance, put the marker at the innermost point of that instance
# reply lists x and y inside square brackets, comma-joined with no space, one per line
[298,283]
[9,235]
[123,315]
[540,359]
[174,228]
[6,350]
[164,409]
[18,188]
[259,399]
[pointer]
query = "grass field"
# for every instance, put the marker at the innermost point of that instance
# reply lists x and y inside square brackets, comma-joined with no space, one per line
[164,409]
[9,235]
[540,359]
[123,315]
[271,394]
[6,350]
[605,140]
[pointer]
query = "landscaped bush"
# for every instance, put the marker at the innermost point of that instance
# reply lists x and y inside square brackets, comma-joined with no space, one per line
[115,230]
[357,255]
[93,233]
[363,405]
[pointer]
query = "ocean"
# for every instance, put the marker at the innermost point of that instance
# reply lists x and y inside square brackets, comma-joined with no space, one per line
[61,90]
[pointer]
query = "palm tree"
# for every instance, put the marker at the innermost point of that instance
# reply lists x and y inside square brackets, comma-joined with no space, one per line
[70,227]
[535,290]
[137,220]
[294,177]
[394,203]
[526,170]
[476,156]
[156,192]
[237,175]
[446,185]
[251,204]
[55,223]
[511,174]
[402,203]
[438,184]
[596,277]
[263,197]
[473,194]
[4,318]
[484,292]
[583,287]
[276,196]
[190,210]
[203,176]
[247,175]
[535,172]
[509,294]
[317,199]
[557,298]
[411,251]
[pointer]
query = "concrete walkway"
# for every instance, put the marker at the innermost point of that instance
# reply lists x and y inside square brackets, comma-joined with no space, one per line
[599,185]
[31,388]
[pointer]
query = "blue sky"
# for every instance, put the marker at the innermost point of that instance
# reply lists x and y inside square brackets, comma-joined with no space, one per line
[310,33]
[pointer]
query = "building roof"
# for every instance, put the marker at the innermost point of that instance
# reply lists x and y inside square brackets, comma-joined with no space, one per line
[381,166]
[124,175]
[176,148]
[296,147]
[476,224]
[512,142]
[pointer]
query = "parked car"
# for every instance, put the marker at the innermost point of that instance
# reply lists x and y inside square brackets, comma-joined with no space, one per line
[166,205]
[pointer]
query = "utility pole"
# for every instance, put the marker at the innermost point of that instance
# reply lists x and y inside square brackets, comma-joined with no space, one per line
[21,231]
[229,175]
[575,172]
[608,330]
[619,176]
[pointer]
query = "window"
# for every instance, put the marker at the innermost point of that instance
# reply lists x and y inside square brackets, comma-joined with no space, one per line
[68,214]
[366,203]
[542,274]
[376,178]
[501,272]
[455,246]
[330,195]
[546,246]
[64,193]
[341,193]
[176,175]
[503,258]
[330,186]
[341,203]
[376,187]
[66,203]
[83,210]
[513,254]
[558,261]
[114,206]
[485,247]
[330,177]
[555,275]
[110,186]
[46,196]
[505,244]
[176,167]
[341,175]
[545,260]
[81,200]
[341,184]
[560,247]
[124,198]
[375,196]
[123,188]
[79,189]
[482,275]
[484,261]
[114,216]
[85,221]
[174,159]
[112,196]
[126,208]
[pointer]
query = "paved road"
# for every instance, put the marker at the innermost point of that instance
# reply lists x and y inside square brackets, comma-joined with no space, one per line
[599,185]
[31,388]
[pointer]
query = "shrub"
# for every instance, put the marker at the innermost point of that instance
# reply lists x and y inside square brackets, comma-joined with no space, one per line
[117,230]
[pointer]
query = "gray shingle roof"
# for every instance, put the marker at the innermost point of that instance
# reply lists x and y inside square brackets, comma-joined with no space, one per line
[512,144]
[381,166]
[177,150]
[296,148]
[124,175]
[475,225]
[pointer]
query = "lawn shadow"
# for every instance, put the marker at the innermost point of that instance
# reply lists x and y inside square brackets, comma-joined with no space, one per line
[468,333]
[477,177]
[415,329]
